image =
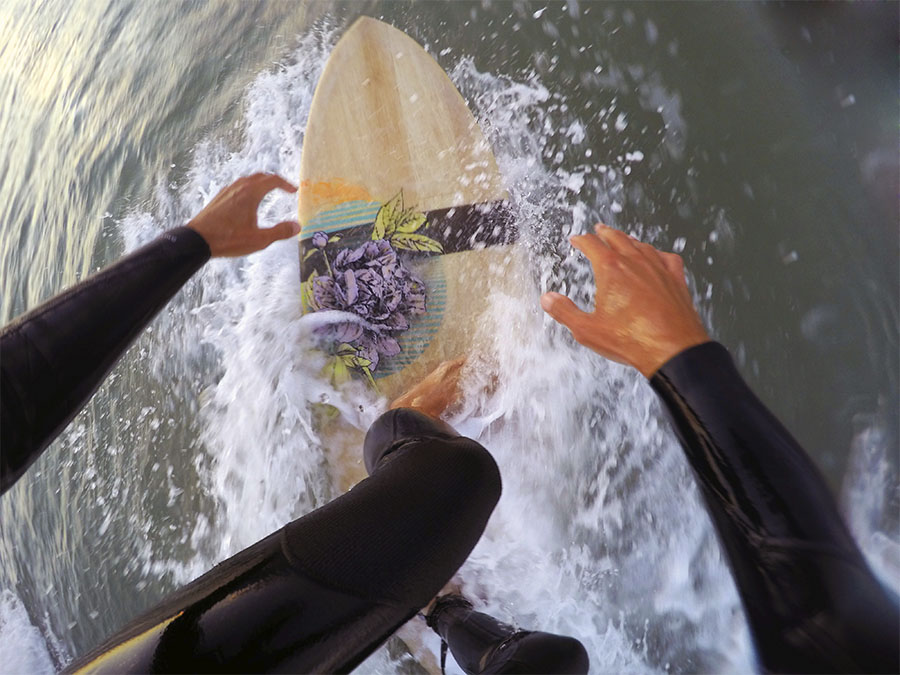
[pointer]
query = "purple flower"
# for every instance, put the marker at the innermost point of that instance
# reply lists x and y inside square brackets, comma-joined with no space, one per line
[320,240]
[371,282]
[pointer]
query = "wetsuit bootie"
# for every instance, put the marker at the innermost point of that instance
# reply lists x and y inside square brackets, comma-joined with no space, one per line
[481,644]
[398,427]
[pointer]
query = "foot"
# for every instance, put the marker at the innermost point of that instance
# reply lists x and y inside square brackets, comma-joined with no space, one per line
[482,644]
[437,392]
[452,588]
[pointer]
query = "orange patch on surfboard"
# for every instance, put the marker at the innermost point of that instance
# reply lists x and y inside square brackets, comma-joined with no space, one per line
[323,194]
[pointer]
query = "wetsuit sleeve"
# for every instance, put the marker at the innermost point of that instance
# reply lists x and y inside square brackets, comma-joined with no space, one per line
[53,358]
[812,603]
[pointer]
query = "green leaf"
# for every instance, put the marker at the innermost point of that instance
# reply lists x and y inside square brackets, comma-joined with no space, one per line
[360,362]
[349,361]
[309,253]
[410,222]
[388,216]
[416,242]
[346,349]
[307,298]
[304,296]
[368,374]
[340,372]
[346,361]
[334,238]
[336,371]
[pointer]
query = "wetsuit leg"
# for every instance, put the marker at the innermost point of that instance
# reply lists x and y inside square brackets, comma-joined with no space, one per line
[481,644]
[326,590]
[812,602]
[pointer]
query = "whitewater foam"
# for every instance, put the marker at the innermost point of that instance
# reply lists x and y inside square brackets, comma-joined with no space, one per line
[22,647]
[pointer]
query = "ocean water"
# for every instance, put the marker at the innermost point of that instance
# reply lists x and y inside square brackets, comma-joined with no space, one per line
[764,166]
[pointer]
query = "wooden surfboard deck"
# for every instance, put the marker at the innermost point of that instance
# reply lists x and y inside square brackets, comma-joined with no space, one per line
[403,214]
[386,117]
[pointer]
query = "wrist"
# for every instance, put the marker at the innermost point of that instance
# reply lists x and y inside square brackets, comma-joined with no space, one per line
[189,237]
[653,361]
[201,231]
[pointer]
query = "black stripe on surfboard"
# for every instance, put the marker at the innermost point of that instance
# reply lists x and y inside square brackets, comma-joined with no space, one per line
[473,226]
[460,228]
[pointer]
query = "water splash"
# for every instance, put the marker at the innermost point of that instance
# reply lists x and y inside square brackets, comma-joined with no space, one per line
[600,532]
[596,492]
[871,500]
[241,338]
[22,648]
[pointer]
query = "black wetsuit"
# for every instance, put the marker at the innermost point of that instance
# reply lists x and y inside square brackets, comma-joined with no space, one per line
[812,602]
[481,644]
[320,594]
[53,358]
[326,590]
[323,592]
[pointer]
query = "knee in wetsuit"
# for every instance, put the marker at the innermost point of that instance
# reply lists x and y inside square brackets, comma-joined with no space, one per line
[398,427]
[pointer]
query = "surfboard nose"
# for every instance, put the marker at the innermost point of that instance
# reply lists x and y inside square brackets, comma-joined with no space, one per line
[385,117]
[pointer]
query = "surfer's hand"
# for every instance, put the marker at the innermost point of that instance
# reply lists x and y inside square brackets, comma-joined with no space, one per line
[437,392]
[228,222]
[643,313]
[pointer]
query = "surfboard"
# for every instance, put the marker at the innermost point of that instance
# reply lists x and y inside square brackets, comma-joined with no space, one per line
[405,225]
[404,218]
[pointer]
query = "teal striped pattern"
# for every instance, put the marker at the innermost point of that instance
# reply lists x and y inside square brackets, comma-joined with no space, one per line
[348,214]
[422,328]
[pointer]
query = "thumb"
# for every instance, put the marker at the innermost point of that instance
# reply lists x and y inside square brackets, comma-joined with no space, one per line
[561,309]
[283,230]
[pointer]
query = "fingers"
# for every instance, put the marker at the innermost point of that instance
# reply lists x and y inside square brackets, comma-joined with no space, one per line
[627,245]
[436,392]
[283,230]
[448,367]
[598,247]
[563,310]
[445,370]
[593,247]
[617,240]
[261,184]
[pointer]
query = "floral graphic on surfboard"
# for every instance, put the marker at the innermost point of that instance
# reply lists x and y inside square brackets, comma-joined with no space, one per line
[369,280]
